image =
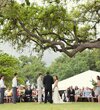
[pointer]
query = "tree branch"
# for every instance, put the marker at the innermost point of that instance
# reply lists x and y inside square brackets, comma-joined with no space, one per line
[59,45]
[81,47]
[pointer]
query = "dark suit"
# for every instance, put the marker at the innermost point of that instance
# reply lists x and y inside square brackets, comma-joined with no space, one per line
[48,81]
[14,94]
[2,95]
[28,95]
[71,94]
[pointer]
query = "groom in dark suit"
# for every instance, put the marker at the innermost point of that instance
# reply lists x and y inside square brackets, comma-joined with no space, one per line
[48,81]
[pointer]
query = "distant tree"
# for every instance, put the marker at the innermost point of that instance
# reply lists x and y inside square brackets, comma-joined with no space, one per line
[8,66]
[66,67]
[31,66]
[96,55]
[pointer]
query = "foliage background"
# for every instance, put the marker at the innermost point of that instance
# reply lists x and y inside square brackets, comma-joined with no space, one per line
[63,66]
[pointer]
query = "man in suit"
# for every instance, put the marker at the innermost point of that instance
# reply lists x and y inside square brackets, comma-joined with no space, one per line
[48,81]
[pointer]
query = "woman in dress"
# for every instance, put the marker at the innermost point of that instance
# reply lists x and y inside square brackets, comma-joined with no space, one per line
[56,95]
[77,93]
[97,91]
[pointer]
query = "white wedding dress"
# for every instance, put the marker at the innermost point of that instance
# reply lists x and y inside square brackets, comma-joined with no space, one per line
[56,96]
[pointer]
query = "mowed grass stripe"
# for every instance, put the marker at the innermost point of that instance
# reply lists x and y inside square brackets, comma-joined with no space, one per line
[65,106]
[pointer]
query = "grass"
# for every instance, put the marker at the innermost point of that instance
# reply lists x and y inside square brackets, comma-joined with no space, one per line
[65,106]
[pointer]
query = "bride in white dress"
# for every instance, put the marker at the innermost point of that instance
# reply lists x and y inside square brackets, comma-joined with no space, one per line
[56,95]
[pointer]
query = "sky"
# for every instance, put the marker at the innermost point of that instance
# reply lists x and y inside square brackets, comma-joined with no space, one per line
[48,57]
[21,1]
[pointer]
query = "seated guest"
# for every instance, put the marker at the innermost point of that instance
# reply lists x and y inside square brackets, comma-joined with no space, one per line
[35,95]
[28,94]
[8,95]
[65,96]
[21,92]
[88,94]
[77,93]
[71,94]
[82,92]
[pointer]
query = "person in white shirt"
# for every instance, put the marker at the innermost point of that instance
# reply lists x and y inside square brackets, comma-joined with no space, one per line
[40,87]
[2,89]
[14,88]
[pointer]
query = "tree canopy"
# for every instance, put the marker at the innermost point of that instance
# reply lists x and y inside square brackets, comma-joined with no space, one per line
[54,24]
[8,66]
[30,67]
[63,66]
[66,67]
[25,67]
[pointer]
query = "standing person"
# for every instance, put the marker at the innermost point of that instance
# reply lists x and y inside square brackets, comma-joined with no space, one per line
[14,88]
[97,91]
[56,95]
[48,81]
[2,89]
[40,87]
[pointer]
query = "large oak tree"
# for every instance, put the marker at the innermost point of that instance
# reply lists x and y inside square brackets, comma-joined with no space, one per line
[51,24]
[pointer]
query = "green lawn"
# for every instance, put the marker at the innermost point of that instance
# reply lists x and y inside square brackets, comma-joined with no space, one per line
[65,106]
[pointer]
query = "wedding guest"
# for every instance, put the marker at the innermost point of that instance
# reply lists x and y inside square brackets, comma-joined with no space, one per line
[14,88]
[34,95]
[71,94]
[28,94]
[21,92]
[77,93]
[97,91]
[2,89]
[82,92]
[87,93]
[8,95]
[65,96]
[40,87]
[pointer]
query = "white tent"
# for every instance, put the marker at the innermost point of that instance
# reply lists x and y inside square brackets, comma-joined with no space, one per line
[81,80]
